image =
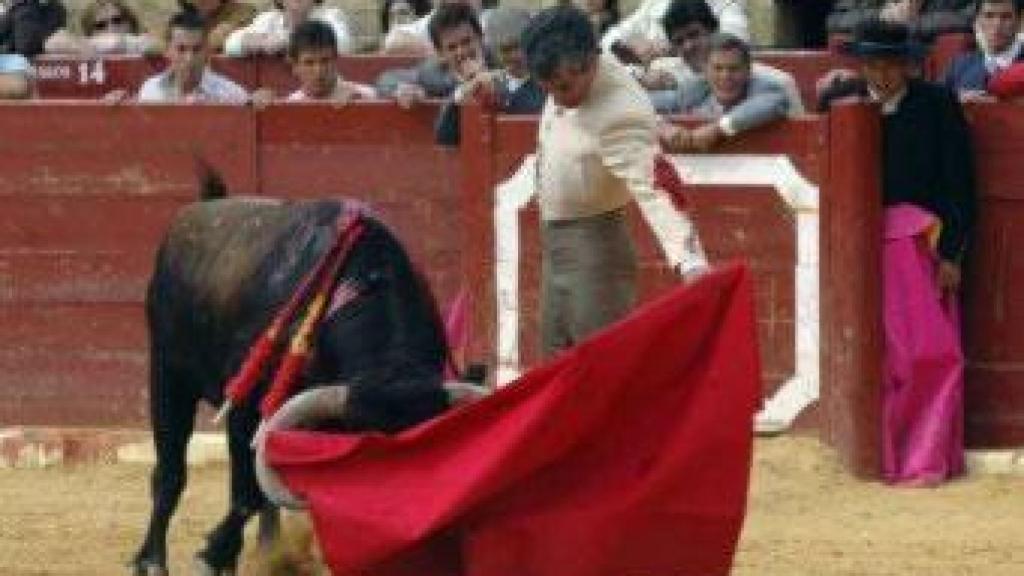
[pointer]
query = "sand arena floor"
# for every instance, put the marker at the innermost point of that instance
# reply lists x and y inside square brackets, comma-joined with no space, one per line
[806,518]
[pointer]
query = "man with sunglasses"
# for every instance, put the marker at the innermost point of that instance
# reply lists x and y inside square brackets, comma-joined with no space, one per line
[107,27]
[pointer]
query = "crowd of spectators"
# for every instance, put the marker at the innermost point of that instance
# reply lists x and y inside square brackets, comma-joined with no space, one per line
[693,57]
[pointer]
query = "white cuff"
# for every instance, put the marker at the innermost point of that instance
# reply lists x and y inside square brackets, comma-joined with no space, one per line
[725,125]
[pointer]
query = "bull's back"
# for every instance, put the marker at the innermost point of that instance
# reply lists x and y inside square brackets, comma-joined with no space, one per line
[223,269]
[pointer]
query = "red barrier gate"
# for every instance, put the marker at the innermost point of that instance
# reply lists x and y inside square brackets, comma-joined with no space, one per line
[86,191]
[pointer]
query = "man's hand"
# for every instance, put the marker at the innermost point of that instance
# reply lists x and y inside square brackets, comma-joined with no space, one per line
[674,138]
[261,98]
[117,96]
[691,274]
[469,69]
[657,80]
[706,137]
[646,51]
[481,87]
[976,96]
[949,277]
[903,11]
[408,95]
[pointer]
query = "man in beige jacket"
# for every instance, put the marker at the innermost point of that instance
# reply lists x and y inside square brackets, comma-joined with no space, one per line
[595,155]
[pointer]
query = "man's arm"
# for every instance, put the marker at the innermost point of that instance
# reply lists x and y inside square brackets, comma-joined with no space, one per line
[765,102]
[627,148]
[794,100]
[732,18]
[389,81]
[15,86]
[15,77]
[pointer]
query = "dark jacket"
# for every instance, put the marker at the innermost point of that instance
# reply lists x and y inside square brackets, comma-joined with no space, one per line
[527,99]
[927,158]
[26,25]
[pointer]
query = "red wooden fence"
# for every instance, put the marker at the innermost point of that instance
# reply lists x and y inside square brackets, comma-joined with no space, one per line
[87,189]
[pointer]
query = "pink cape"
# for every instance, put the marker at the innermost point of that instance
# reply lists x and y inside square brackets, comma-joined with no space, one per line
[627,455]
[922,397]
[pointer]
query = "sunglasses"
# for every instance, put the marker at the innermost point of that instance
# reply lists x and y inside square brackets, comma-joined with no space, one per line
[109,23]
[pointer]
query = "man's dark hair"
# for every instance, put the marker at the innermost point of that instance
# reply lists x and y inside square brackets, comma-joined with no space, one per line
[561,35]
[311,35]
[725,42]
[681,13]
[187,19]
[450,16]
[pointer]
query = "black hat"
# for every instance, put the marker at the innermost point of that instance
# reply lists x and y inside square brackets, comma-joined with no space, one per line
[875,37]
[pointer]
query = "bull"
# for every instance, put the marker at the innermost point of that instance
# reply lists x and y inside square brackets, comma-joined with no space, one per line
[222,270]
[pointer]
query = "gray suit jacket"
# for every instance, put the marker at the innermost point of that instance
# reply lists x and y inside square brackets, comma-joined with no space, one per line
[765,102]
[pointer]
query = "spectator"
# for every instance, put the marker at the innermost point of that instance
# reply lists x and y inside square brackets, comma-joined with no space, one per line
[728,94]
[927,188]
[108,27]
[640,37]
[269,32]
[313,54]
[222,17]
[996,26]
[514,90]
[401,12]
[509,88]
[187,77]
[414,38]
[595,155]
[688,25]
[26,24]
[15,77]
[603,14]
[457,37]
[926,18]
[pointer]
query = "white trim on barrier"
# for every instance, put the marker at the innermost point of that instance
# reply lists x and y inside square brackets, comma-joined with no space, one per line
[803,388]
[777,171]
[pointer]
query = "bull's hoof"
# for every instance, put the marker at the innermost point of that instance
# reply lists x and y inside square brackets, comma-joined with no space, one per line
[200,567]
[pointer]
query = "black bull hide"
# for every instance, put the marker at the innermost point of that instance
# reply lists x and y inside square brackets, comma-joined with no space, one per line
[223,270]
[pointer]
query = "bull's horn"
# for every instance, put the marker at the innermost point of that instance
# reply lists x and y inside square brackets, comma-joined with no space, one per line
[305,410]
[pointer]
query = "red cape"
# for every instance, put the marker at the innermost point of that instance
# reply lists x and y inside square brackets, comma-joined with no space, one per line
[629,455]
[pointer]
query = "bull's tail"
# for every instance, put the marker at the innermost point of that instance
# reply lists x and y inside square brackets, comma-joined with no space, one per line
[211,184]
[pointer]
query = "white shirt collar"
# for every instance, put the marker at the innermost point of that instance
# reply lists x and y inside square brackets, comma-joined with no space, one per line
[891,105]
[1005,58]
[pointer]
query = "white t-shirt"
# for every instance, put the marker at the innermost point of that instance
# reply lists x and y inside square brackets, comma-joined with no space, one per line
[212,88]
[645,22]
[272,23]
[342,90]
